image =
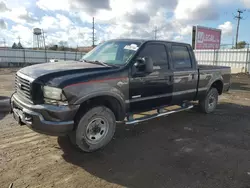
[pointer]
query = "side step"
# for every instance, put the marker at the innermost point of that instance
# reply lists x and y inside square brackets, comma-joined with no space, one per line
[144,116]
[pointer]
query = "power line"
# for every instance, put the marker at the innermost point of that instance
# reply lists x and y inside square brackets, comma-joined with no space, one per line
[238,17]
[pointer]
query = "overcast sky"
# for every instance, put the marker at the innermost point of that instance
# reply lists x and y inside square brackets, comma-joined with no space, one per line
[70,20]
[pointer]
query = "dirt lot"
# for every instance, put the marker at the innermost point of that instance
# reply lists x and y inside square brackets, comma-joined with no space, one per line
[188,149]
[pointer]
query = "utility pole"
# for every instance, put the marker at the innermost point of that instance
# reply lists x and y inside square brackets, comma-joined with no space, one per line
[78,36]
[155,31]
[4,42]
[233,42]
[93,33]
[77,43]
[44,43]
[238,17]
[19,38]
[44,46]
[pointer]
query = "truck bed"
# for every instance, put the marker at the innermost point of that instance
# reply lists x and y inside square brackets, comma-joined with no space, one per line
[213,67]
[209,74]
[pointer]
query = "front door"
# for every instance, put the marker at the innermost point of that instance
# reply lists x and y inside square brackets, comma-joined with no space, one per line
[148,91]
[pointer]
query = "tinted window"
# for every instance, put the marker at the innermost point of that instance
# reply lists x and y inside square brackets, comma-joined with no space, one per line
[181,57]
[157,52]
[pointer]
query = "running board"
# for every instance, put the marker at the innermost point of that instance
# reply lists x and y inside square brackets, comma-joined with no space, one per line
[160,112]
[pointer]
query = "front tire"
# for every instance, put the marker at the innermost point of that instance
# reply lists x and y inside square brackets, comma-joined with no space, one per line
[95,129]
[209,103]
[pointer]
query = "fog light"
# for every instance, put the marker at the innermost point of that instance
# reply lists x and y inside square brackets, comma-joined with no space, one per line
[28,118]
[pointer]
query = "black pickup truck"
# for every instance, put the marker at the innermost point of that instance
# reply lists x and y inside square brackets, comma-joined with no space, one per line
[112,83]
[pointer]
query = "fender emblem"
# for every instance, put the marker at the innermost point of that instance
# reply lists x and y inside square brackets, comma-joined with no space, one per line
[121,83]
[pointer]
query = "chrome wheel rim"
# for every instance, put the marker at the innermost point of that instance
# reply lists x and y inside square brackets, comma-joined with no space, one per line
[96,130]
[211,101]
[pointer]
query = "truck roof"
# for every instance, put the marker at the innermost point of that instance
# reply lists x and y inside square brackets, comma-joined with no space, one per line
[144,40]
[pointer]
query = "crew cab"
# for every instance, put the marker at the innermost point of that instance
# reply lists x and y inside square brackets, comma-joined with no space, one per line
[86,99]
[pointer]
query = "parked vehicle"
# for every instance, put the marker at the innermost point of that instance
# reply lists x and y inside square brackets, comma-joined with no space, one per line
[110,84]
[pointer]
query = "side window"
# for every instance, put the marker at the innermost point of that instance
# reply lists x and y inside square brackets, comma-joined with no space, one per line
[157,52]
[181,57]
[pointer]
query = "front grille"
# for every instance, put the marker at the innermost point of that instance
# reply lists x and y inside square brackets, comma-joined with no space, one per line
[22,87]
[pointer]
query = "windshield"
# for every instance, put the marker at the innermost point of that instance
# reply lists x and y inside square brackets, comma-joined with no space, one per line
[113,52]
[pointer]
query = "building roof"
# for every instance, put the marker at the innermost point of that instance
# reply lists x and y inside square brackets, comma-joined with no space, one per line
[84,48]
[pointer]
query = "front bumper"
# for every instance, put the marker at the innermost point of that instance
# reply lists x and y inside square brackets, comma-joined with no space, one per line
[45,119]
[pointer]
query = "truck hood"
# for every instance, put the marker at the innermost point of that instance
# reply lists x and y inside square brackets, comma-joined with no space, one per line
[65,67]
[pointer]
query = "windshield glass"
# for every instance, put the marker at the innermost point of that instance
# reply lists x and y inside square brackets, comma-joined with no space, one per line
[113,52]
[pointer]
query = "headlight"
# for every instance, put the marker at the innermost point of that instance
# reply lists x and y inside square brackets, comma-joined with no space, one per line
[53,95]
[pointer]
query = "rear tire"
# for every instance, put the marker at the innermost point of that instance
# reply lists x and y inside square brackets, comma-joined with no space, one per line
[209,103]
[95,129]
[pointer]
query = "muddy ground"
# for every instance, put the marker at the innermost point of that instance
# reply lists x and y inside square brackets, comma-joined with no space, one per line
[187,149]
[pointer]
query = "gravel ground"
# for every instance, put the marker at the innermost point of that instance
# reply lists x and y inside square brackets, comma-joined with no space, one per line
[187,149]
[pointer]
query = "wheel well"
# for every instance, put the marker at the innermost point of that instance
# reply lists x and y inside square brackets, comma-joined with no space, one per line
[218,85]
[110,102]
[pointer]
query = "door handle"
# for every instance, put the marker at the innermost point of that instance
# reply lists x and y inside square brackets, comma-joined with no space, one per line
[140,79]
[191,76]
[168,78]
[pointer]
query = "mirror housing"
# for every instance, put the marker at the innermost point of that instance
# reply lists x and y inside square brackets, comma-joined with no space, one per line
[149,65]
[140,63]
[144,65]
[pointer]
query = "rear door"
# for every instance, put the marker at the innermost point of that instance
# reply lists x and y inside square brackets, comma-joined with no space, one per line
[152,90]
[185,73]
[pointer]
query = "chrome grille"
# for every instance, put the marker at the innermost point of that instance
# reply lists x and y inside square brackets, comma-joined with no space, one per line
[22,87]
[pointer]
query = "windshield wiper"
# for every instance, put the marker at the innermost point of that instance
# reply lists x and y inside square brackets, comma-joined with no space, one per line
[99,63]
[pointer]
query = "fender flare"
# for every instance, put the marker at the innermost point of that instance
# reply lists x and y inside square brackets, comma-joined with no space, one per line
[115,95]
[215,80]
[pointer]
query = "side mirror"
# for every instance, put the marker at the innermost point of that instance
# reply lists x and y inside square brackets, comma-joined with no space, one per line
[140,64]
[149,65]
[144,65]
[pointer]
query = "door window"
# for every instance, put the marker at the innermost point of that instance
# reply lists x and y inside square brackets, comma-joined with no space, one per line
[181,57]
[157,52]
